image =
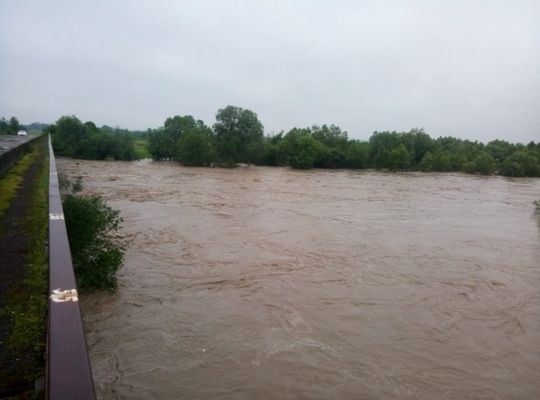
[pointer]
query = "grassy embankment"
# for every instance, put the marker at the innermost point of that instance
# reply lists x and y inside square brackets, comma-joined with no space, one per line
[141,149]
[25,305]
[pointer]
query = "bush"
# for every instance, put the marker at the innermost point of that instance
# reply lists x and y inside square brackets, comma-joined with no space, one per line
[96,255]
[426,163]
[303,151]
[484,164]
[357,155]
[521,163]
[399,158]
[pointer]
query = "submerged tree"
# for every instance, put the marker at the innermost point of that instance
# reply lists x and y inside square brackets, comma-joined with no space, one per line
[485,164]
[163,143]
[357,155]
[399,158]
[72,138]
[239,135]
[194,148]
[523,162]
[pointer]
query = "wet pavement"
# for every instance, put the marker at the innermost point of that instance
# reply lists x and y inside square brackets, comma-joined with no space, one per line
[8,142]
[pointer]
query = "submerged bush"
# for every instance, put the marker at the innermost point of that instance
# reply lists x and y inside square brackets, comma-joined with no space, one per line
[96,255]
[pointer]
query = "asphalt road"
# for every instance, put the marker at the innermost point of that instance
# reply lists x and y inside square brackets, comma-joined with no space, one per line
[7,142]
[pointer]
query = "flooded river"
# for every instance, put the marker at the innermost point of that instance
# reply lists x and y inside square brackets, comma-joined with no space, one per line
[269,283]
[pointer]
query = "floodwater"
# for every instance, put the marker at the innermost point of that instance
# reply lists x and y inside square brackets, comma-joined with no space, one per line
[269,283]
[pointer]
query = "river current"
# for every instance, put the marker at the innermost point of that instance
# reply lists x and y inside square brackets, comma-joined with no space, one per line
[270,283]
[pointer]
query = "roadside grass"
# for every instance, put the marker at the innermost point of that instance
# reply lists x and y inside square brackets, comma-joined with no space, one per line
[27,304]
[30,304]
[12,180]
[141,149]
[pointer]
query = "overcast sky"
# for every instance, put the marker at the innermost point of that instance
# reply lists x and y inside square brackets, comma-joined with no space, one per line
[465,68]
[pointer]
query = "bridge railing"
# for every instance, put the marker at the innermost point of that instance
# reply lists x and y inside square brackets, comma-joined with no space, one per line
[68,367]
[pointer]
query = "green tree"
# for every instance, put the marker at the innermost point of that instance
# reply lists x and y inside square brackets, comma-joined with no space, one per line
[331,158]
[10,127]
[69,135]
[441,161]
[14,125]
[521,163]
[382,142]
[163,142]
[303,151]
[4,127]
[72,138]
[421,144]
[500,150]
[176,126]
[485,164]
[194,148]
[426,164]
[331,136]
[357,155]
[239,135]
[161,145]
[399,158]
[382,157]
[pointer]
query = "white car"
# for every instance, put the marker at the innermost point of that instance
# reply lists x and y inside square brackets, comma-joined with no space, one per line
[22,133]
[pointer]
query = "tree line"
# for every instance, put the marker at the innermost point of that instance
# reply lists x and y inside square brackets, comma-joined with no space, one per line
[73,138]
[237,136]
[9,127]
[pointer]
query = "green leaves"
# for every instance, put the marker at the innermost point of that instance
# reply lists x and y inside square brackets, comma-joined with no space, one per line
[239,135]
[485,164]
[194,148]
[72,138]
[10,127]
[168,143]
[399,158]
[303,151]
[96,255]
[524,162]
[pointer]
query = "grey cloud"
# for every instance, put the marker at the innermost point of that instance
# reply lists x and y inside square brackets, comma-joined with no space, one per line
[465,68]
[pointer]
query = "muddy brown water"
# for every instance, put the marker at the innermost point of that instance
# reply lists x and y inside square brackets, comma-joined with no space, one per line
[269,283]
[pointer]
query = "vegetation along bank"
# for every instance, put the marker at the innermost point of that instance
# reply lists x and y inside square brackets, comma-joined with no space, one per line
[237,136]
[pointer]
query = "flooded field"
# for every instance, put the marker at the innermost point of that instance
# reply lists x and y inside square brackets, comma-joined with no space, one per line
[268,283]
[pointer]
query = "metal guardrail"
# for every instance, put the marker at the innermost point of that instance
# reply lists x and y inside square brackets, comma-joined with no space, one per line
[69,375]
